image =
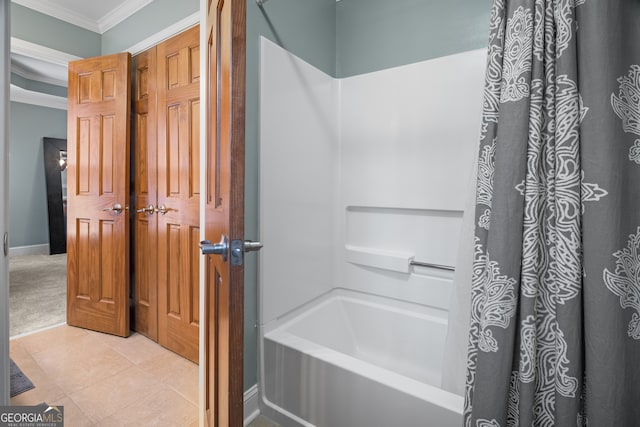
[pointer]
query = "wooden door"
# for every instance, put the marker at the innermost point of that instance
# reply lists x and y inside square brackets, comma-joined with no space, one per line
[179,193]
[98,194]
[224,211]
[145,225]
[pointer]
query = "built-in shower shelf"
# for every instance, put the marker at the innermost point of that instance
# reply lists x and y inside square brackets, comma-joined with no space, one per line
[386,260]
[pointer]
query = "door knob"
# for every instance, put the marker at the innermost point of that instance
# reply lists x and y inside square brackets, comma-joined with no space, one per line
[117,209]
[220,248]
[162,209]
[147,209]
[238,247]
[251,246]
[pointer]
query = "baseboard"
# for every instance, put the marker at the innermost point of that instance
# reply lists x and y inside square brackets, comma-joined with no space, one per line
[29,250]
[251,409]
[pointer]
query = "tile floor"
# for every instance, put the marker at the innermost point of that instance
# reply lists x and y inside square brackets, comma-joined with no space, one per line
[103,380]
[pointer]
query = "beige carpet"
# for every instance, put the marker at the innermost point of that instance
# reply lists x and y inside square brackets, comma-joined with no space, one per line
[37,292]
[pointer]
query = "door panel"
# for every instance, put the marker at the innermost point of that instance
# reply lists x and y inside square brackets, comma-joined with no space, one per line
[178,152]
[98,181]
[145,242]
[224,211]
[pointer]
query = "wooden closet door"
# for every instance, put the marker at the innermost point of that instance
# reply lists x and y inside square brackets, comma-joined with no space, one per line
[98,194]
[145,225]
[179,193]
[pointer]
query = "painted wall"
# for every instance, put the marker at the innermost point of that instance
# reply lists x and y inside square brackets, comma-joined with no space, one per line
[28,218]
[306,28]
[146,22]
[378,34]
[38,28]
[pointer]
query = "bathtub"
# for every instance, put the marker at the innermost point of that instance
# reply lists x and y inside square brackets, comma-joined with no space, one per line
[351,359]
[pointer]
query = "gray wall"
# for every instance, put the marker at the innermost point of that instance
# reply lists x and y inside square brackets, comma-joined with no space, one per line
[28,219]
[153,18]
[36,27]
[374,35]
[306,28]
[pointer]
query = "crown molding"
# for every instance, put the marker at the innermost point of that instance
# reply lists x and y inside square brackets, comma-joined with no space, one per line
[120,13]
[100,26]
[32,50]
[168,32]
[28,74]
[61,13]
[18,94]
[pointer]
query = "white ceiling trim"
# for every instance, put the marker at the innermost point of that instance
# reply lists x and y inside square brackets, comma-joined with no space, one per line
[100,26]
[61,13]
[32,50]
[27,74]
[168,32]
[120,13]
[18,94]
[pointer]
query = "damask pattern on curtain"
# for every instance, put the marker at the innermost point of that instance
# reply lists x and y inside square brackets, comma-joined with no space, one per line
[555,321]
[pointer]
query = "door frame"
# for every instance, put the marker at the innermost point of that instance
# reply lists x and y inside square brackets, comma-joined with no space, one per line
[203,182]
[5,37]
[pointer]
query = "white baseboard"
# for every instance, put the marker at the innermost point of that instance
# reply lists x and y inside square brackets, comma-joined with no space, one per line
[251,409]
[29,250]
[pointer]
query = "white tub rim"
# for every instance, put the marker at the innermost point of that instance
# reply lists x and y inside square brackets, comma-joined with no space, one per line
[386,303]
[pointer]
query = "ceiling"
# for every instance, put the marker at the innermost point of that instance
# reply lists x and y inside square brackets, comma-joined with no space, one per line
[95,15]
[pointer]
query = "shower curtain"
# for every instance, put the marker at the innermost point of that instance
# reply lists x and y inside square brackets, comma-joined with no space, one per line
[555,293]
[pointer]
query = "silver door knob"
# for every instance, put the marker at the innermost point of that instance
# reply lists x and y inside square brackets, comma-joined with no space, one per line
[251,246]
[147,209]
[117,209]
[162,209]
[220,248]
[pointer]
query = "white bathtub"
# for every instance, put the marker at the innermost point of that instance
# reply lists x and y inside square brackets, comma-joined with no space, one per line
[352,359]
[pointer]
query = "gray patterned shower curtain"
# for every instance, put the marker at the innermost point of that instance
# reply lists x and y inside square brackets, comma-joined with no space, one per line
[555,297]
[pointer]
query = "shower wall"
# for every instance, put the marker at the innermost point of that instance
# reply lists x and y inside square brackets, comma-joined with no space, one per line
[299,177]
[408,136]
[360,175]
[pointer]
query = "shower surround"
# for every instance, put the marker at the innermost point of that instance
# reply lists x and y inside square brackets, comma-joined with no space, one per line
[358,177]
